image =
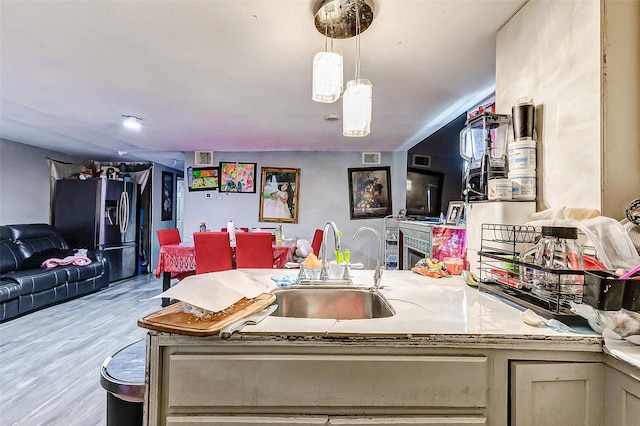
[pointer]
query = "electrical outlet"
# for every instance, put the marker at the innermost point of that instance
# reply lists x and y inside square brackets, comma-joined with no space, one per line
[208,196]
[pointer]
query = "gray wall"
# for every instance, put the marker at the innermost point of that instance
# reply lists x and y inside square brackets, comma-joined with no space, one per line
[24,182]
[324,196]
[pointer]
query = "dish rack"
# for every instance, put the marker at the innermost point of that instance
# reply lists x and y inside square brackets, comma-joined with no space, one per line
[507,272]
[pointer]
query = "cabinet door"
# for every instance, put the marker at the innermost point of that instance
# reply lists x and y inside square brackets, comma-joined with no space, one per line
[407,421]
[557,393]
[622,398]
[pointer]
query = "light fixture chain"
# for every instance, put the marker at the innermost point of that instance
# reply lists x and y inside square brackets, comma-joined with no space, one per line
[357,40]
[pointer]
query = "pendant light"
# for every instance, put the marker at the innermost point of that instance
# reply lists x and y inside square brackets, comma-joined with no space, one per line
[357,98]
[327,72]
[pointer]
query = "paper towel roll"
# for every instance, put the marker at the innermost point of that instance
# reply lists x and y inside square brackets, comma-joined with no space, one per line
[231,229]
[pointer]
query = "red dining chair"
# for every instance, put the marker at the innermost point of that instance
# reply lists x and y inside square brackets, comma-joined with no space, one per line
[168,236]
[317,241]
[213,252]
[172,236]
[254,250]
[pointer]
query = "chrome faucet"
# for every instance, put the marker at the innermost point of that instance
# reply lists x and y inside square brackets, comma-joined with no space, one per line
[324,273]
[377,275]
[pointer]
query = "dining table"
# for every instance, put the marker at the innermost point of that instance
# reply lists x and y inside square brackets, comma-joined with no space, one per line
[175,258]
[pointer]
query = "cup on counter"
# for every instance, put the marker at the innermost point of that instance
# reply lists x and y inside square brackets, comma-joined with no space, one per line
[335,271]
[455,265]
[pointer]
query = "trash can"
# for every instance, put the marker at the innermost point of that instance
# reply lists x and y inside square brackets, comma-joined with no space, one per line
[122,376]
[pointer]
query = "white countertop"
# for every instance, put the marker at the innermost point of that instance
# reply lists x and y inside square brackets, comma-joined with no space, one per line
[424,307]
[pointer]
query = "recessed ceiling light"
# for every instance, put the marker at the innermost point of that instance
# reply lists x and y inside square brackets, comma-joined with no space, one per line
[131,122]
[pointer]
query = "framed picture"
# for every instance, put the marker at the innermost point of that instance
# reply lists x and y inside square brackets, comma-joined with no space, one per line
[203,158]
[370,192]
[202,179]
[402,214]
[167,196]
[279,195]
[237,177]
[454,212]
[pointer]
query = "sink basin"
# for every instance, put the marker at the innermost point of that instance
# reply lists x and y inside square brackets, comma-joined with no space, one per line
[331,302]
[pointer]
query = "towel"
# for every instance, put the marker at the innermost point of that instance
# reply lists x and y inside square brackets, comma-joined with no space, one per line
[77,260]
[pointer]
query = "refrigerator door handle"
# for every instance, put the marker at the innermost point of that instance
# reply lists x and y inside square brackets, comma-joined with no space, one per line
[124,212]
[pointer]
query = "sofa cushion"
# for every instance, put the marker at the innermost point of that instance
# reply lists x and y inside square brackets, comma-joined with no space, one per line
[11,257]
[36,259]
[9,309]
[36,237]
[37,280]
[9,289]
[79,273]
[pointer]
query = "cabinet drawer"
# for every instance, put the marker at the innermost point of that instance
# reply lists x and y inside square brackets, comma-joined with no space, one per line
[245,420]
[326,381]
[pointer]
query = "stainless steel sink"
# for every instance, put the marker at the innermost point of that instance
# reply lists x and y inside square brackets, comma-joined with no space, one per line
[331,302]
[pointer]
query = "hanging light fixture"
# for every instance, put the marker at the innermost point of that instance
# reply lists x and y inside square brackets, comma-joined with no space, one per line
[343,19]
[357,98]
[327,71]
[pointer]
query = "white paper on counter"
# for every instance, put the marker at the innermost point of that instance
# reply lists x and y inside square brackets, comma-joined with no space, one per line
[216,290]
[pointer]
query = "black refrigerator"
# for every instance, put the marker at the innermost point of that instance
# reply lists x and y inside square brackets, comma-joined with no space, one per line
[100,214]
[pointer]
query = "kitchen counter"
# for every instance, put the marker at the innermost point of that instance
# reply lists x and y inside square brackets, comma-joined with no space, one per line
[450,354]
[425,307]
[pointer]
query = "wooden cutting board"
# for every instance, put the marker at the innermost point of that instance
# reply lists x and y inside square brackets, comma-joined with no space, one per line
[173,319]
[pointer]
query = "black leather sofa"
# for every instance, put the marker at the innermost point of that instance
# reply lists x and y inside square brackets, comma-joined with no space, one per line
[26,287]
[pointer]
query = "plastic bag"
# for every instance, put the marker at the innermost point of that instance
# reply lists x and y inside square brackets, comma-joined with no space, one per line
[303,248]
[624,323]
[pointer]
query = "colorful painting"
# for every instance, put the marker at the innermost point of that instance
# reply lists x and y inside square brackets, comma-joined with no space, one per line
[237,177]
[202,179]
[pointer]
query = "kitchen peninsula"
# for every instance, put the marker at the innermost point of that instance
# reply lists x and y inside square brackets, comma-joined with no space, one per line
[450,355]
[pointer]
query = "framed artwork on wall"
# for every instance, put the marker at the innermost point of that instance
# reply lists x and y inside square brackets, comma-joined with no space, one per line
[370,192]
[237,177]
[167,196]
[203,178]
[279,195]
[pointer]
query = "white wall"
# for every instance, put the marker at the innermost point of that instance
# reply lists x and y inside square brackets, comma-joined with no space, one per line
[324,196]
[550,50]
[24,182]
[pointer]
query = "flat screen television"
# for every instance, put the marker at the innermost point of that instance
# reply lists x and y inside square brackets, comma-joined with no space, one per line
[424,193]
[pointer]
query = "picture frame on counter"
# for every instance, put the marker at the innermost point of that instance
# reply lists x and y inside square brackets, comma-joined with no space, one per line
[203,178]
[237,177]
[455,212]
[369,192]
[279,195]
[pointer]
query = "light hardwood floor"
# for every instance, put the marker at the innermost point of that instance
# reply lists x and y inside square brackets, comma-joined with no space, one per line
[50,359]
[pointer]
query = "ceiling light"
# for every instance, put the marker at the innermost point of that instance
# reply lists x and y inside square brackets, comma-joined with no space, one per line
[131,122]
[357,98]
[327,72]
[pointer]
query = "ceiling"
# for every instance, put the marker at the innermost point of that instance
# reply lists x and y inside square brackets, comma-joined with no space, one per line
[232,75]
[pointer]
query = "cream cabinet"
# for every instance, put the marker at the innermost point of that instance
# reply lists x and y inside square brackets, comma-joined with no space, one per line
[209,381]
[557,393]
[621,393]
[362,381]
